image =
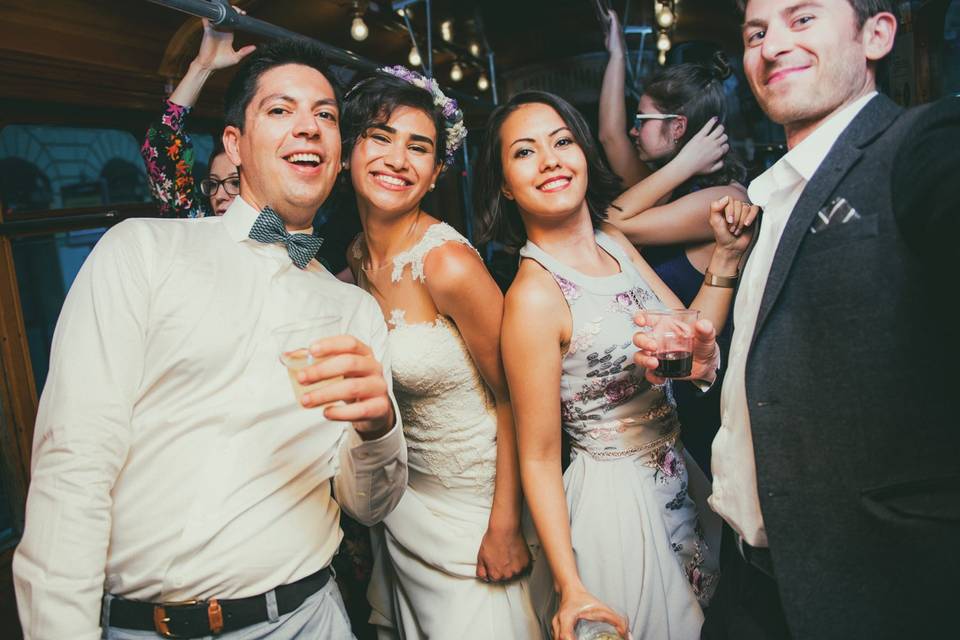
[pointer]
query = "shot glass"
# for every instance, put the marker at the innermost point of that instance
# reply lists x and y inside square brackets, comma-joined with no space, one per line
[673,331]
[595,630]
[293,341]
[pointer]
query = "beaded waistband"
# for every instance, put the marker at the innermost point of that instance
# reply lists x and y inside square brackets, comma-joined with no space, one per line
[645,449]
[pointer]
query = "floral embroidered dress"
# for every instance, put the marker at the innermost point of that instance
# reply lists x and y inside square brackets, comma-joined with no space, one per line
[424,583]
[169,157]
[631,490]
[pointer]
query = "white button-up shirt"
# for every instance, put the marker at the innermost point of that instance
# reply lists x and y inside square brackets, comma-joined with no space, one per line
[171,460]
[777,190]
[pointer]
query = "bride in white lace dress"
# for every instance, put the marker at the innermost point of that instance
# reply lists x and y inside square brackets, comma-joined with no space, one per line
[448,560]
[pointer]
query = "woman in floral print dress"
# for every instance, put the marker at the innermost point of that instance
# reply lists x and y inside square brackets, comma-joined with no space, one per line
[168,152]
[620,533]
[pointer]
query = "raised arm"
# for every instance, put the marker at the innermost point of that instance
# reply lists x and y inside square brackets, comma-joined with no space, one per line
[613,127]
[463,290]
[81,441]
[536,323]
[685,219]
[167,150]
[732,222]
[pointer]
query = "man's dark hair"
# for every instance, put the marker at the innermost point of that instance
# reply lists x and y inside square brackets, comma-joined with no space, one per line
[863,8]
[275,54]
[372,101]
[696,91]
[499,216]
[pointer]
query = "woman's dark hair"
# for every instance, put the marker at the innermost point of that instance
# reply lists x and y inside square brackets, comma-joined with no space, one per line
[373,100]
[696,91]
[499,217]
[275,54]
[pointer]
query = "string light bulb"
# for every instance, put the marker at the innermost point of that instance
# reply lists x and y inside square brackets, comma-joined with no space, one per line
[664,16]
[414,57]
[446,30]
[456,73]
[662,58]
[475,49]
[663,41]
[482,83]
[358,29]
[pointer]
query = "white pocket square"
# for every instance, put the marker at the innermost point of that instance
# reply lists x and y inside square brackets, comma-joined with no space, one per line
[838,211]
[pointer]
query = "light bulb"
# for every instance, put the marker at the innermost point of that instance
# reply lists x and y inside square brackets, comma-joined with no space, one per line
[474,49]
[456,73]
[482,83]
[663,41]
[665,17]
[662,58]
[414,57]
[446,30]
[359,30]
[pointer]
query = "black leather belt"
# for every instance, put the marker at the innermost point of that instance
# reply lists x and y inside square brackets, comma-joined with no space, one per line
[195,619]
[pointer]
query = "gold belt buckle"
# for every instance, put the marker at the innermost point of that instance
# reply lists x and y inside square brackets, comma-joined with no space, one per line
[161,620]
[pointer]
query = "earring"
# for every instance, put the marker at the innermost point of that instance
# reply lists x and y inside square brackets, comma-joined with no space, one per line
[433,185]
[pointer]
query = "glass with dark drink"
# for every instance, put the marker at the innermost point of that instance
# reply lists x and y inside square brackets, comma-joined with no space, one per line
[673,331]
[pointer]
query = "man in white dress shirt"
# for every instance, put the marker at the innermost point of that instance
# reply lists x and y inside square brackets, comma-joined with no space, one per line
[171,460]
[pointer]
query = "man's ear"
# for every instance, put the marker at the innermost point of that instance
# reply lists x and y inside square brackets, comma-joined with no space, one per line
[231,143]
[878,33]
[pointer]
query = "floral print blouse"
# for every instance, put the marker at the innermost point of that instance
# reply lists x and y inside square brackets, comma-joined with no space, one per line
[169,157]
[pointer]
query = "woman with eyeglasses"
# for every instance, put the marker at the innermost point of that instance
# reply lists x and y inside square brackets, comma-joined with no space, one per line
[675,161]
[168,152]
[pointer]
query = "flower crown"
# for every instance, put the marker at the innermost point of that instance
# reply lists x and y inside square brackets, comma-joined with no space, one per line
[453,117]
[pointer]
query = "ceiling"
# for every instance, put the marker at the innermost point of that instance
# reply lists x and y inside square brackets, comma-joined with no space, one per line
[125,53]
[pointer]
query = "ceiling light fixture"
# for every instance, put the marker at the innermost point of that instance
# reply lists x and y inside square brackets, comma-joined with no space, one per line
[414,57]
[358,28]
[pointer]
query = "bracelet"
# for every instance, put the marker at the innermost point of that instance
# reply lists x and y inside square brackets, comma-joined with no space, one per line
[725,282]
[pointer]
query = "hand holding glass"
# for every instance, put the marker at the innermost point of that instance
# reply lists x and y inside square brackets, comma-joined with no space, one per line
[672,329]
[294,342]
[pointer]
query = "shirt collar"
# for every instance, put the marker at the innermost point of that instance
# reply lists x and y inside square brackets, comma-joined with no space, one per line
[801,162]
[239,218]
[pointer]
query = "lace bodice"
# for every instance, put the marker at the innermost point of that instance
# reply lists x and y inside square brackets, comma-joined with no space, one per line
[449,416]
[607,406]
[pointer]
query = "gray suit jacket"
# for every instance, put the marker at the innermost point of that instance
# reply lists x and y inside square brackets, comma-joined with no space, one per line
[851,381]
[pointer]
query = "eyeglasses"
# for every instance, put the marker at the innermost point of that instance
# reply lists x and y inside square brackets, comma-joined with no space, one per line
[638,118]
[231,185]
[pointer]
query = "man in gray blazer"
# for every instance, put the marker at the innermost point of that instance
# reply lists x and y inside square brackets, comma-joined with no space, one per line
[836,464]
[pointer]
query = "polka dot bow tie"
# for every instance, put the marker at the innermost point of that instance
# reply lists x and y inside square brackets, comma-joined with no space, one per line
[268,228]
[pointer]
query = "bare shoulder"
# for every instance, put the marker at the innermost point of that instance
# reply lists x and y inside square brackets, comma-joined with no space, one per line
[535,296]
[453,265]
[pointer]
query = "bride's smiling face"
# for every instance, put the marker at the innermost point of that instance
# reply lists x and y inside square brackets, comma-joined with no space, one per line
[394,164]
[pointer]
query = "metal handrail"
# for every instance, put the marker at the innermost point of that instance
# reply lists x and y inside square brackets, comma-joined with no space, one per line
[221,14]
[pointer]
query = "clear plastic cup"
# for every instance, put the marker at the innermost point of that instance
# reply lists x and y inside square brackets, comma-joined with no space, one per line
[294,340]
[595,630]
[673,331]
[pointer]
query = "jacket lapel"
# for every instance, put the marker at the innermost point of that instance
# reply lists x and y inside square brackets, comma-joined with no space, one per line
[872,120]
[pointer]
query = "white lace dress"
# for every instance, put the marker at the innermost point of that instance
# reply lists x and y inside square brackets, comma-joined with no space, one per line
[424,581]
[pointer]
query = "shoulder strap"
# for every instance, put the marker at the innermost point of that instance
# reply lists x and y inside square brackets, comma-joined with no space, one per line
[433,237]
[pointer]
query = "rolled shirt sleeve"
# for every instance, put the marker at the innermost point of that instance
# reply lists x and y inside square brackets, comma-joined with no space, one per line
[373,473]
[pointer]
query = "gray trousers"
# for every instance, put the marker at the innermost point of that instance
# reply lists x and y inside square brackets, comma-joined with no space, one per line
[322,616]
